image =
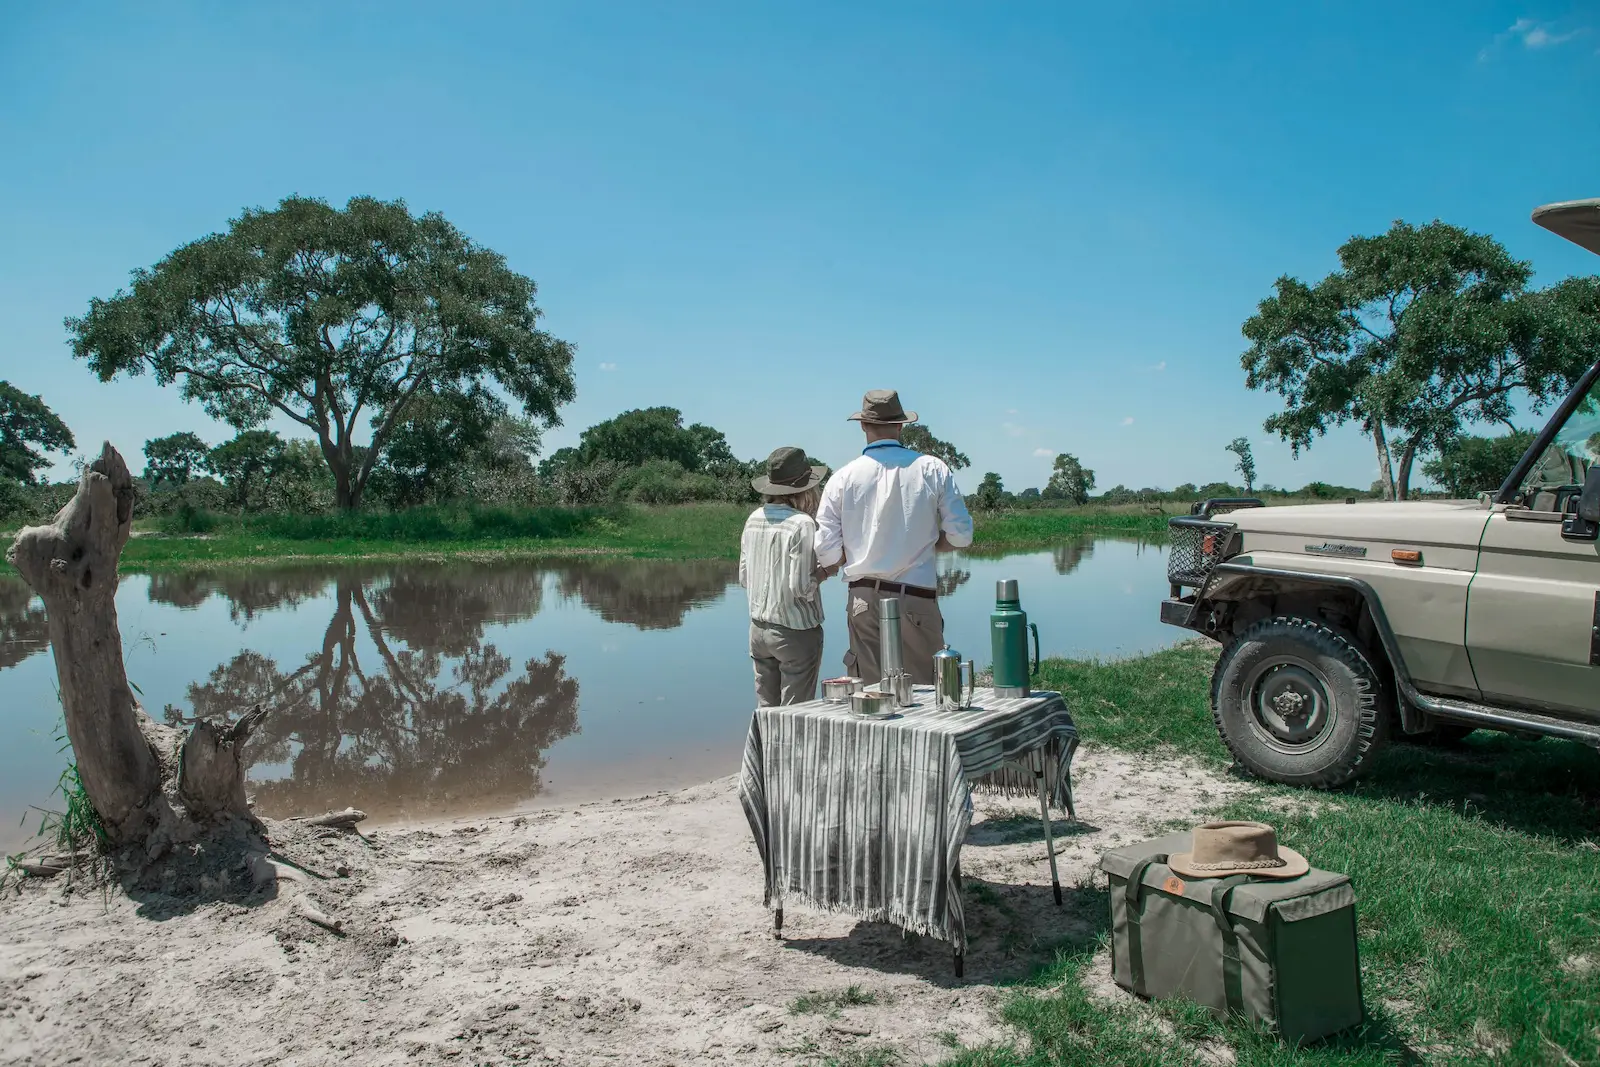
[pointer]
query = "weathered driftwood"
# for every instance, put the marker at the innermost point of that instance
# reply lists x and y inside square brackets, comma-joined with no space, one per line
[40,870]
[266,870]
[150,786]
[342,820]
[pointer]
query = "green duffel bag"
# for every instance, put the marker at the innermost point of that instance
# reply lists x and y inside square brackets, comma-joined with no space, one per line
[1278,952]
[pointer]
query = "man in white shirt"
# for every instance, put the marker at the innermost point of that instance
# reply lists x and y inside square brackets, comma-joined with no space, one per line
[884,515]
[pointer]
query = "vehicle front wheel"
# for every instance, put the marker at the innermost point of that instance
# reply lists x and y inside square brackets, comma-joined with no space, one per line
[1297,702]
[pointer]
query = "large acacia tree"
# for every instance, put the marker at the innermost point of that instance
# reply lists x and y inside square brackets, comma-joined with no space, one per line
[28,428]
[337,319]
[1422,332]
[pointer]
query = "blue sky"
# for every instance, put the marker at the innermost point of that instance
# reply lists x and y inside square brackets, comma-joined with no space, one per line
[1043,223]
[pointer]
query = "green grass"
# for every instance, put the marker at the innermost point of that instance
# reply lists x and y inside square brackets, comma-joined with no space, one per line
[1477,874]
[830,1003]
[871,1056]
[687,531]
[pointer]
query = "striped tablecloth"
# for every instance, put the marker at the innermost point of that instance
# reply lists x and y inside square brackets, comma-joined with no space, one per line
[868,816]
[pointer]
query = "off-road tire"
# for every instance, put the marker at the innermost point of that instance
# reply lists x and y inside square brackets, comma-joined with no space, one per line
[1350,700]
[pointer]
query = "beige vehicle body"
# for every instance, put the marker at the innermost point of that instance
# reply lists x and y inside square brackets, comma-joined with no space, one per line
[1422,617]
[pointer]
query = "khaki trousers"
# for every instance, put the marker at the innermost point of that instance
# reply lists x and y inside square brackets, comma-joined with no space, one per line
[921,635]
[786,661]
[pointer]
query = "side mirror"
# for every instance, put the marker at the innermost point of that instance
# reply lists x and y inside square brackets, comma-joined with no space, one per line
[1583,523]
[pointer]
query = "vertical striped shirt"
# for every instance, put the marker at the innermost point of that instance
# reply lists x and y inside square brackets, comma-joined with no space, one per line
[777,567]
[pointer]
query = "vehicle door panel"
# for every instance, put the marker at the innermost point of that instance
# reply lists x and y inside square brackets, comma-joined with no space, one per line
[1531,617]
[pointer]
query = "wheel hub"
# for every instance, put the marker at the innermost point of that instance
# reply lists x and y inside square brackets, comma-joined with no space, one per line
[1290,704]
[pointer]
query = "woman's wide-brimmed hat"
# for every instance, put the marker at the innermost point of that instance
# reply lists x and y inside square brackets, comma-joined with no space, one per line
[788,473]
[882,407]
[1223,848]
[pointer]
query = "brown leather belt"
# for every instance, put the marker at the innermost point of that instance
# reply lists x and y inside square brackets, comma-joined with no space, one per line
[894,587]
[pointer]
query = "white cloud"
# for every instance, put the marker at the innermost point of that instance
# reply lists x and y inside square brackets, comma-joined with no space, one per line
[1011,411]
[1013,430]
[1044,453]
[1160,366]
[1533,35]
[1128,421]
[608,366]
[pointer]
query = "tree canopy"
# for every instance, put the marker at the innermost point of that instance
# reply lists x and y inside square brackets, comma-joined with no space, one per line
[1069,480]
[636,437]
[921,439]
[247,464]
[28,429]
[1240,447]
[991,493]
[174,459]
[1467,466]
[1421,332]
[331,316]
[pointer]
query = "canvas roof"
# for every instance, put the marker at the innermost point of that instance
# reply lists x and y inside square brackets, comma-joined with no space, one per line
[1576,220]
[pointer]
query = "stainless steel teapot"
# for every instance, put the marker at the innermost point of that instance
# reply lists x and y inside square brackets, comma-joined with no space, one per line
[954,682]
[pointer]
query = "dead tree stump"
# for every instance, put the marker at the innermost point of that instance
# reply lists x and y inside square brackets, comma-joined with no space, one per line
[152,788]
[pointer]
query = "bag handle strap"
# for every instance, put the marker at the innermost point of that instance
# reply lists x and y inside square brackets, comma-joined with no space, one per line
[1133,894]
[1232,970]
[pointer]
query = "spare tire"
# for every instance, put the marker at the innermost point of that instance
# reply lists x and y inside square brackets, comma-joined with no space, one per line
[1298,702]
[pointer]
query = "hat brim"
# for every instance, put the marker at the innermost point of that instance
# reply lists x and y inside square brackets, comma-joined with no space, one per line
[905,420]
[1294,865]
[767,487]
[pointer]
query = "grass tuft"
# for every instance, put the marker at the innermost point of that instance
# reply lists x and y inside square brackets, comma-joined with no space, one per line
[871,1056]
[831,1002]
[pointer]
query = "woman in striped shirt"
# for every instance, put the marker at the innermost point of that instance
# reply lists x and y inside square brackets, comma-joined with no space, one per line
[778,568]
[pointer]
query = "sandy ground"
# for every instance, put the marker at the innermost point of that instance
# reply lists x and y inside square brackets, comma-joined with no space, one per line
[624,932]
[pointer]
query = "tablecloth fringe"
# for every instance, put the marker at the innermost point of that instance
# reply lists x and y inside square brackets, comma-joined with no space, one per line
[909,924]
[1009,780]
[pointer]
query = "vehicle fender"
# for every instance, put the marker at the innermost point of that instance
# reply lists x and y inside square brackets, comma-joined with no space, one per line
[1244,579]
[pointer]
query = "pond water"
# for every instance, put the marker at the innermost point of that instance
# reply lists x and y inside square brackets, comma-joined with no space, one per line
[427,689]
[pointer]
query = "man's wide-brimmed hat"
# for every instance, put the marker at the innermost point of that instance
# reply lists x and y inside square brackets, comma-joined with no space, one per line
[882,407]
[1223,848]
[788,473]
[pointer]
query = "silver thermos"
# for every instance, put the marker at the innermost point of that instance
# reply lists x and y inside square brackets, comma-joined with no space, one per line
[896,680]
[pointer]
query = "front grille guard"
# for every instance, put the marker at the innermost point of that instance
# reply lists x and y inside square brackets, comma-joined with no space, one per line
[1198,545]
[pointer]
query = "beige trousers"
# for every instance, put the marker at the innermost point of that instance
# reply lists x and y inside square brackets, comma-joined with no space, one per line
[921,635]
[786,662]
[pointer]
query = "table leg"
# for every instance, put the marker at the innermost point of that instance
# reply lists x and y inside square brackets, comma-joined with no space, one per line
[777,922]
[1072,810]
[1044,812]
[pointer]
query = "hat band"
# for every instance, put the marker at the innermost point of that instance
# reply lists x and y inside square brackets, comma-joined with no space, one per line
[1237,865]
[794,482]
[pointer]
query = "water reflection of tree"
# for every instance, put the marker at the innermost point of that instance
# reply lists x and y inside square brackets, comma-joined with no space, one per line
[949,581]
[249,592]
[649,594]
[441,720]
[23,627]
[1069,555]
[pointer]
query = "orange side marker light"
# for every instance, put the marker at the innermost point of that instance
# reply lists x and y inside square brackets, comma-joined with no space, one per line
[1407,555]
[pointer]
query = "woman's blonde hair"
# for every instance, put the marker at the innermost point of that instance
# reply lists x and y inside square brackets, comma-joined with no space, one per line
[807,501]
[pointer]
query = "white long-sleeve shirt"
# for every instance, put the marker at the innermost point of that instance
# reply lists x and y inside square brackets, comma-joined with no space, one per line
[883,512]
[778,565]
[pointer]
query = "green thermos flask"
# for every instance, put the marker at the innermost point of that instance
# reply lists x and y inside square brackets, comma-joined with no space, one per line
[1008,637]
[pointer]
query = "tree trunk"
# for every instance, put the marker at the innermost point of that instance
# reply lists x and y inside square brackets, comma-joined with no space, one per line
[151,788]
[1385,465]
[1408,456]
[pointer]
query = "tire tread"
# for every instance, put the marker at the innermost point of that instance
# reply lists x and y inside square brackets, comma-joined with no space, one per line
[1372,730]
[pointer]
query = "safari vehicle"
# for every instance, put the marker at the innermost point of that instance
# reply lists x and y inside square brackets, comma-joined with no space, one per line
[1347,625]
